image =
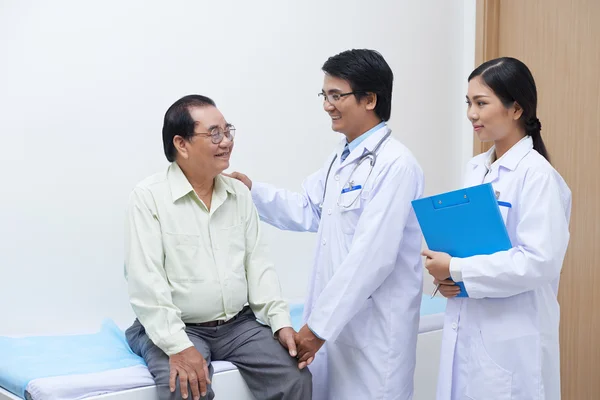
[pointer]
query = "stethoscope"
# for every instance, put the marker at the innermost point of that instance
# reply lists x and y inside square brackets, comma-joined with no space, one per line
[349,185]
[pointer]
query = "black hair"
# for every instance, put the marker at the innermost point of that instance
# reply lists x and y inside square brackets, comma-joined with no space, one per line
[178,121]
[512,81]
[366,71]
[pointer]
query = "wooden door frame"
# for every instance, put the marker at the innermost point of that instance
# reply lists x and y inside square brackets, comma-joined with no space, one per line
[487,37]
[495,32]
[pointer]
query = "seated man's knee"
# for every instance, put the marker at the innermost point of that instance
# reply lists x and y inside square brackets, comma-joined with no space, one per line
[300,380]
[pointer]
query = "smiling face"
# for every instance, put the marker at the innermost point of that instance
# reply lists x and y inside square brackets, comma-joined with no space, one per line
[492,120]
[349,116]
[199,153]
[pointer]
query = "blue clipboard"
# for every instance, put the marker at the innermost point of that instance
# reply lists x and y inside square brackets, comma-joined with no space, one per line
[463,223]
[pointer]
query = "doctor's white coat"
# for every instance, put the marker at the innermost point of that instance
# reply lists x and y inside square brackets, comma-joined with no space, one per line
[366,284]
[501,343]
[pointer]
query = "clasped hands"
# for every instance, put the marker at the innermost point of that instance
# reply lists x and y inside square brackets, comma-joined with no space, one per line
[302,345]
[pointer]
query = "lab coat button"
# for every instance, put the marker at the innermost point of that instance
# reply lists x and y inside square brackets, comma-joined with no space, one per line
[329,212]
[324,242]
[454,325]
[337,177]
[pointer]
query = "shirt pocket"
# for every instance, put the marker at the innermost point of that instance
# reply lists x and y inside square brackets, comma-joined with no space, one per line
[487,380]
[356,333]
[183,257]
[233,241]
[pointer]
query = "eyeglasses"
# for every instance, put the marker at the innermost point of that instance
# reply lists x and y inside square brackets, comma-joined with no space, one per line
[334,97]
[217,134]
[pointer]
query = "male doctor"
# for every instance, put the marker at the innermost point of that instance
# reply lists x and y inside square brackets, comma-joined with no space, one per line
[362,310]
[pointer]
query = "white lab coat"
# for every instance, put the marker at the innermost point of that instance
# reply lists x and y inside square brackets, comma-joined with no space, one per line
[366,284]
[502,342]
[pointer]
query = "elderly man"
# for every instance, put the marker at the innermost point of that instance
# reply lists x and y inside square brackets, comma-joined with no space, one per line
[198,272]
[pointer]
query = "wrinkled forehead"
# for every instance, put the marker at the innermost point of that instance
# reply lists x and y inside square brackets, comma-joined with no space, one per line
[207,118]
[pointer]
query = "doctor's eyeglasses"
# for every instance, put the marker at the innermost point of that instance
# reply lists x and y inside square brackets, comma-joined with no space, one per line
[217,134]
[334,97]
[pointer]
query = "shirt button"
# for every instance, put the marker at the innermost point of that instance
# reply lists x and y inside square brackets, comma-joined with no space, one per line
[454,325]
[324,242]
[329,211]
[337,177]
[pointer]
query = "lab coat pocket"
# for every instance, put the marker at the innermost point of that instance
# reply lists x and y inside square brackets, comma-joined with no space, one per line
[504,210]
[182,257]
[357,332]
[487,380]
[350,206]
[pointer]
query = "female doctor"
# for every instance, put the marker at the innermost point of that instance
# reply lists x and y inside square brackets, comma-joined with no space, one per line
[502,341]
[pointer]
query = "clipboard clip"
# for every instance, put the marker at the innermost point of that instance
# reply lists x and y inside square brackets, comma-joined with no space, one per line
[450,199]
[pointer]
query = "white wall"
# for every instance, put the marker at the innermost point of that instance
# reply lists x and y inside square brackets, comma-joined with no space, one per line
[468,53]
[84,87]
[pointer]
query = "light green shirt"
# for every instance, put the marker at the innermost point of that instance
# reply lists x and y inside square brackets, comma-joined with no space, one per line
[186,264]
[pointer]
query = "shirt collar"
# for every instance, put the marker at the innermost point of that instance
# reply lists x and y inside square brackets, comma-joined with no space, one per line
[222,187]
[180,186]
[354,144]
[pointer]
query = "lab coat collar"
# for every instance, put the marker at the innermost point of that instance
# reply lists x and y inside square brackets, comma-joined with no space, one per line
[367,145]
[510,160]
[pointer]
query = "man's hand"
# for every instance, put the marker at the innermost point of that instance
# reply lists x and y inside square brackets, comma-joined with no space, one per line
[287,340]
[448,288]
[240,177]
[438,264]
[190,366]
[308,345]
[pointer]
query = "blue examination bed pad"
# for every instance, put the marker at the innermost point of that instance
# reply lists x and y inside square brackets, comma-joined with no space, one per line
[25,359]
[28,358]
[429,306]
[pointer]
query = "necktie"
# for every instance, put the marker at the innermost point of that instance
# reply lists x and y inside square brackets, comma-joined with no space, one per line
[345,152]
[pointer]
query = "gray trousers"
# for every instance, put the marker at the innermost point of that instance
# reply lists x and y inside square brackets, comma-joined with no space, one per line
[265,365]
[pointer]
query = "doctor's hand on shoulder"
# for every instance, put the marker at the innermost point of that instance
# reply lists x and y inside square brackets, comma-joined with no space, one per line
[240,177]
[438,264]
